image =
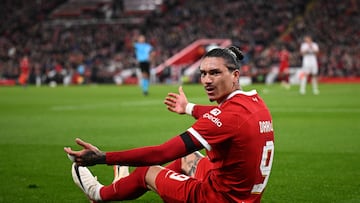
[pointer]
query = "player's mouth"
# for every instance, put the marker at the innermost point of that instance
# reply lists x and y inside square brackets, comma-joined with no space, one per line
[210,90]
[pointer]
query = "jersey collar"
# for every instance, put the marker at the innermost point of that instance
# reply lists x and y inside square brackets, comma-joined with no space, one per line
[236,92]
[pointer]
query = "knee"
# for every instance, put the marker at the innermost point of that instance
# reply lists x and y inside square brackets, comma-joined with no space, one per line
[150,177]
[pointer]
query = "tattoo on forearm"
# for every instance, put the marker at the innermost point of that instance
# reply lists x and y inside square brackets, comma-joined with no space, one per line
[92,158]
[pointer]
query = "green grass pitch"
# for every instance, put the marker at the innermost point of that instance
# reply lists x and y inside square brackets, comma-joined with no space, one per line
[317,138]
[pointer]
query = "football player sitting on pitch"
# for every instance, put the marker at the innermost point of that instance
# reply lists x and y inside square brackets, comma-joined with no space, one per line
[237,135]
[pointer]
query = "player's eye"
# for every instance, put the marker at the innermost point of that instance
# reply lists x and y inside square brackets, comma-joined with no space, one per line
[214,72]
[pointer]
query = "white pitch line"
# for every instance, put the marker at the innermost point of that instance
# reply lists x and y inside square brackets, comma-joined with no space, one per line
[104,105]
[158,102]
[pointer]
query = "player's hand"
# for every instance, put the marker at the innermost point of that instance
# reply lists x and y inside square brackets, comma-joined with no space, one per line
[88,156]
[176,102]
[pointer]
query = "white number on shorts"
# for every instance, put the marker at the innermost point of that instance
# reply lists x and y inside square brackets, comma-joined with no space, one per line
[179,177]
[265,166]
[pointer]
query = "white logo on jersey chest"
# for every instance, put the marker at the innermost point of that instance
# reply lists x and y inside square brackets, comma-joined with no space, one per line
[215,112]
[212,116]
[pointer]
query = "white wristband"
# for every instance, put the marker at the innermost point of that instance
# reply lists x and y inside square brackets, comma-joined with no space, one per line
[189,108]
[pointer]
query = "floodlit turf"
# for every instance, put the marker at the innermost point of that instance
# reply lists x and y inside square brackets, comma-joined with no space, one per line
[317,138]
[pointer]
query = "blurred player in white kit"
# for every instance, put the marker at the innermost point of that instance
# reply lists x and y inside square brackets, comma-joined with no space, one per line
[309,51]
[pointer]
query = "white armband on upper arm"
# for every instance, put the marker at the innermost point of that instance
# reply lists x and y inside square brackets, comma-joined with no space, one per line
[189,108]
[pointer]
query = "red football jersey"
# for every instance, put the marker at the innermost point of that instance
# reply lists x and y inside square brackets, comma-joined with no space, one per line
[24,65]
[284,60]
[239,141]
[284,55]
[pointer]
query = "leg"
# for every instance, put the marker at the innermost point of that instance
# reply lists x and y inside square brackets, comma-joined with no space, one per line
[132,186]
[303,81]
[145,83]
[144,178]
[150,177]
[145,74]
[120,172]
[285,79]
[314,83]
[126,188]
[171,186]
[178,188]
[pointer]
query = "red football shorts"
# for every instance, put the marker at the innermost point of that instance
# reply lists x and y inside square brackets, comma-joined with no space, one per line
[284,67]
[23,78]
[176,187]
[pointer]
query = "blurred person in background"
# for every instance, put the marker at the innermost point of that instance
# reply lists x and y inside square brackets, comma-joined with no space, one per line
[309,51]
[143,52]
[284,56]
[24,71]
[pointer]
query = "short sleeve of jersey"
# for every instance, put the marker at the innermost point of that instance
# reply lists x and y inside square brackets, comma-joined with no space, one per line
[200,110]
[214,127]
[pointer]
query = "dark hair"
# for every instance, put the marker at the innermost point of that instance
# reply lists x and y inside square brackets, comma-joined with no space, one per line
[231,55]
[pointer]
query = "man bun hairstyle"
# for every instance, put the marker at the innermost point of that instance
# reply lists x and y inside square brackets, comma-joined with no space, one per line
[231,55]
[237,52]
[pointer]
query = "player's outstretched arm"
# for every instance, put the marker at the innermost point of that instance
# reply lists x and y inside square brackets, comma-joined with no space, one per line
[176,102]
[88,156]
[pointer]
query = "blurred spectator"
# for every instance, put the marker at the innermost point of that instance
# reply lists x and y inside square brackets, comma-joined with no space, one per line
[28,28]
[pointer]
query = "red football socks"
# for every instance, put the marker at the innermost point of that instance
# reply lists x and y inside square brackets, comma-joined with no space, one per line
[127,188]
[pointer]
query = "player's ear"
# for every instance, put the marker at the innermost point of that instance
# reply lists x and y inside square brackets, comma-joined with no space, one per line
[236,74]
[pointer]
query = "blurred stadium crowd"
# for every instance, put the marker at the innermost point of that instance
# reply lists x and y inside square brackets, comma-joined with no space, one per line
[92,40]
